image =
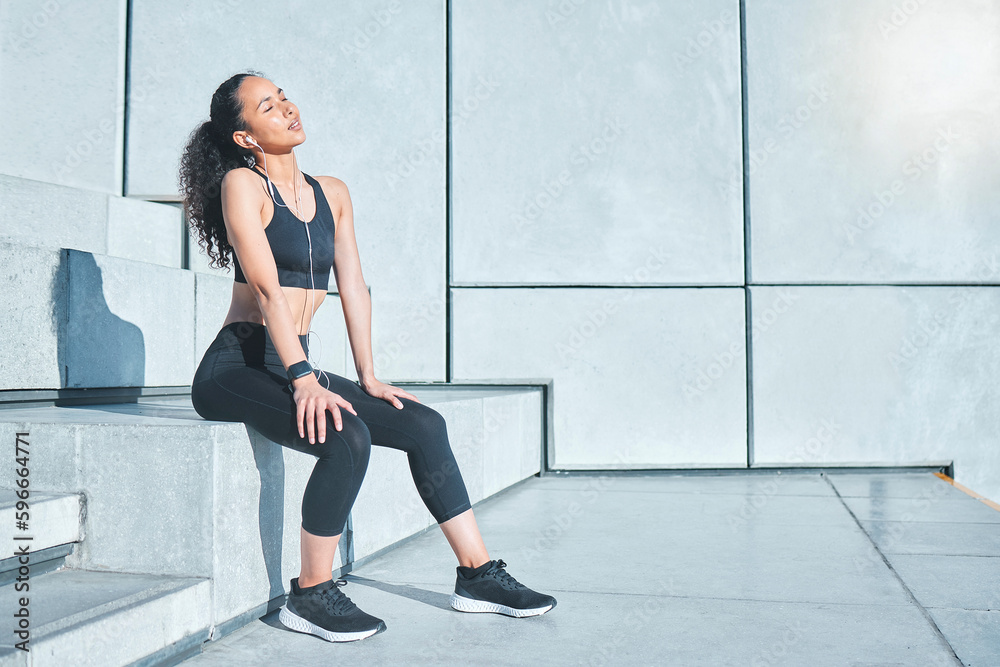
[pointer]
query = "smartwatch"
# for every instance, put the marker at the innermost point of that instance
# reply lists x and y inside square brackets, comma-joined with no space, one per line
[299,369]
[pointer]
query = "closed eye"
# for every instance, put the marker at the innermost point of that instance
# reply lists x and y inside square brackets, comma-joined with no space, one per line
[269,108]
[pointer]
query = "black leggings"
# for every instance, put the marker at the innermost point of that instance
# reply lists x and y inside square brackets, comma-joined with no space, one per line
[241,379]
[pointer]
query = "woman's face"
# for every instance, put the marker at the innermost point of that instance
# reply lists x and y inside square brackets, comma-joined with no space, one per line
[272,118]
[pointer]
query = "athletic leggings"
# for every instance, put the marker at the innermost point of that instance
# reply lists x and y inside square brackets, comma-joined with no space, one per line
[241,379]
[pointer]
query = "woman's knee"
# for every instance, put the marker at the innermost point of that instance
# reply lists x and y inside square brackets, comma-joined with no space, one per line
[354,437]
[426,423]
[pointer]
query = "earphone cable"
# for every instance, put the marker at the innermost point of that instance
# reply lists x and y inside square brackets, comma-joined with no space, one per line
[298,214]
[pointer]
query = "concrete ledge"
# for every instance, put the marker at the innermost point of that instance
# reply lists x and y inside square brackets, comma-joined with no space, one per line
[32,293]
[91,320]
[52,216]
[214,507]
[52,519]
[106,618]
[145,231]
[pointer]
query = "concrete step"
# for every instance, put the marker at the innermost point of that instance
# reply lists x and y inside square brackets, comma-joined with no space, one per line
[87,320]
[171,494]
[104,619]
[51,526]
[35,213]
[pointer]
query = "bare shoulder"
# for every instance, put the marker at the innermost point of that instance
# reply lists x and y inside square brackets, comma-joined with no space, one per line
[241,182]
[242,198]
[239,175]
[333,186]
[337,196]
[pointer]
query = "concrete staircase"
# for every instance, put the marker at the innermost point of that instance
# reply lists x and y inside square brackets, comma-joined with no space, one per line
[153,530]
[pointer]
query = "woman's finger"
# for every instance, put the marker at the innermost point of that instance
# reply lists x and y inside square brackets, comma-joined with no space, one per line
[406,394]
[300,411]
[321,422]
[311,421]
[337,419]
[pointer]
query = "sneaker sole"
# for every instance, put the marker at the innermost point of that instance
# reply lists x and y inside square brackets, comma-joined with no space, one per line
[294,622]
[481,606]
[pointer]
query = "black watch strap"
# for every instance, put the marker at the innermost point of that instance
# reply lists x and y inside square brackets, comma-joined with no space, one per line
[299,369]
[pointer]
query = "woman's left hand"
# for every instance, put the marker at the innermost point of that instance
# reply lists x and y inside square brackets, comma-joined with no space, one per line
[387,392]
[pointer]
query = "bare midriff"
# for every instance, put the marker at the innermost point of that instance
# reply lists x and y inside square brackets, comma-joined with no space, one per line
[244,306]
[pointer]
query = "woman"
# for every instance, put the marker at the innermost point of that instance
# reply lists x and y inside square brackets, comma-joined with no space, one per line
[256,371]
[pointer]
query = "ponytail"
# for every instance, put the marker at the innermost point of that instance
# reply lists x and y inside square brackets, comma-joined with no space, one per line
[209,154]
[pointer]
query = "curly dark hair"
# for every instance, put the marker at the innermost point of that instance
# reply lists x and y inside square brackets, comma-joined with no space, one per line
[210,153]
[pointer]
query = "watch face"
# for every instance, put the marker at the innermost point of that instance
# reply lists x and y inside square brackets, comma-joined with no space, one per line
[299,369]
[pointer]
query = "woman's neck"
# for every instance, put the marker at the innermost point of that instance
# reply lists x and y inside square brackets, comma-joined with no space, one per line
[280,168]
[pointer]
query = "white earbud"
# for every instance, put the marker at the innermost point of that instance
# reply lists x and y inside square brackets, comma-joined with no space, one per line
[250,139]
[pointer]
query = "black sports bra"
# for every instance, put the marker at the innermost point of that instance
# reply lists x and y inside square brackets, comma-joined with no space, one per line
[289,243]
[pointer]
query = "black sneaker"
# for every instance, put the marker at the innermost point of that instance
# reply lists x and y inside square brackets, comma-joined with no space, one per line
[323,610]
[488,588]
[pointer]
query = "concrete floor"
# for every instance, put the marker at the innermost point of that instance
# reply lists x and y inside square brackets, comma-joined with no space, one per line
[739,569]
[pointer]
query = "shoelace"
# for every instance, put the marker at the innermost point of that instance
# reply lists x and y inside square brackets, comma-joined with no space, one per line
[335,600]
[503,576]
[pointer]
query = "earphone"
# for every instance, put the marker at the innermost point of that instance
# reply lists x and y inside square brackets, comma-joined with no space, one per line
[312,277]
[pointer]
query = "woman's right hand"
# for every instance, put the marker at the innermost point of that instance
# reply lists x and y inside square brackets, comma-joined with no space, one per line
[312,400]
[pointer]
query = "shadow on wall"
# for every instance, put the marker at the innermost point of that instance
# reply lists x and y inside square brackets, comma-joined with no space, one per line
[270,463]
[96,348]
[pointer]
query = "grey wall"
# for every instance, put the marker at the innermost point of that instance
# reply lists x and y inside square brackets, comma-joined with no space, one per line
[369,81]
[880,374]
[587,143]
[873,161]
[580,140]
[564,154]
[62,70]
[874,140]
[626,367]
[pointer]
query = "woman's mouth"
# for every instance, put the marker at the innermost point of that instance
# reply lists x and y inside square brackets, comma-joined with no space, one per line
[295,126]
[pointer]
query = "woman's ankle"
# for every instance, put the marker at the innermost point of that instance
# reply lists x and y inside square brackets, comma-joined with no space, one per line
[309,583]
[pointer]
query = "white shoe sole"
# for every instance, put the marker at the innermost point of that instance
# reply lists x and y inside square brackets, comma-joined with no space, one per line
[479,606]
[299,624]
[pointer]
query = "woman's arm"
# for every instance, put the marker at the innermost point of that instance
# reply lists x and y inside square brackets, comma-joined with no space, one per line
[242,203]
[354,297]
